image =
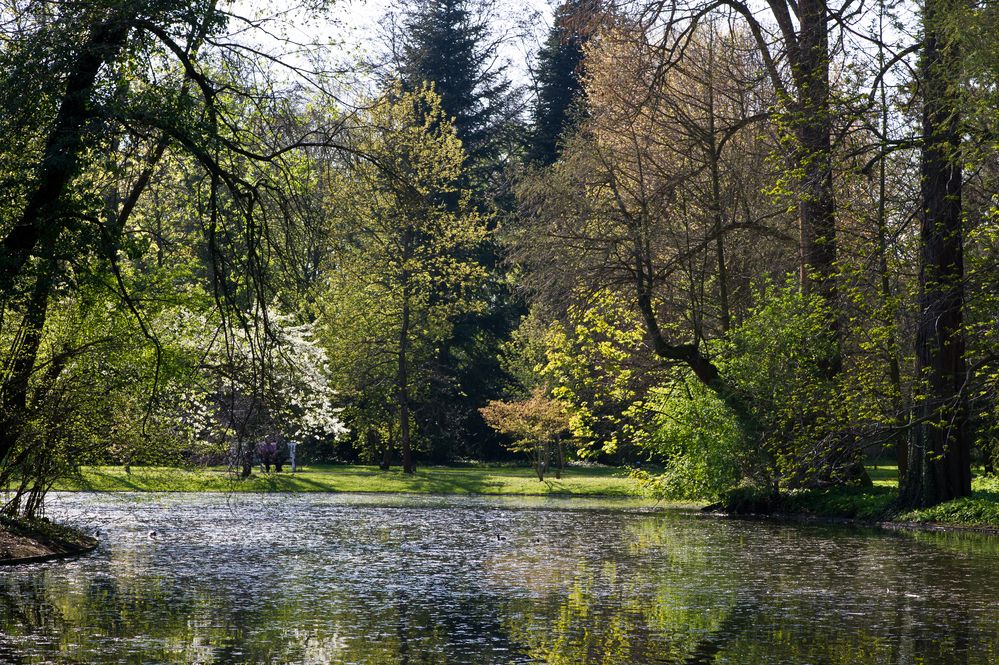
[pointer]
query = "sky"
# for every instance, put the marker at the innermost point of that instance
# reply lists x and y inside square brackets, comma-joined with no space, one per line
[353,30]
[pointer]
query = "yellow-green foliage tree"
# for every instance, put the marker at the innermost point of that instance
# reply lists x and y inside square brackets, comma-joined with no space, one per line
[597,363]
[402,266]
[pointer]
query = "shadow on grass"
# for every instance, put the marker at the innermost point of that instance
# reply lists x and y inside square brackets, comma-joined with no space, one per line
[303,483]
[986,495]
[490,480]
[98,481]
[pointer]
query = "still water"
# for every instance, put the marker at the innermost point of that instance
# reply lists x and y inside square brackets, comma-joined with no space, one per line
[322,578]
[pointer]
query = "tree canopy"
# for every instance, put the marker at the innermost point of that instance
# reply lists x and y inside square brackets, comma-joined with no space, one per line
[738,246]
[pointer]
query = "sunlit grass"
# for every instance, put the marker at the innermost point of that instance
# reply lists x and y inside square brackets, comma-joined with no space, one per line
[875,503]
[581,481]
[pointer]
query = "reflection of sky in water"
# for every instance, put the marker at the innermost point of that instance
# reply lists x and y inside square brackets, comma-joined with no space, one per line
[392,578]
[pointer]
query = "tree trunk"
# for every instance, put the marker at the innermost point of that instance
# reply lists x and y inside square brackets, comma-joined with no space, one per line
[813,127]
[561,461]
[386,462]
[940,456]
[403,383]
[17,384]
[37,223]
[690,355]
[714,158]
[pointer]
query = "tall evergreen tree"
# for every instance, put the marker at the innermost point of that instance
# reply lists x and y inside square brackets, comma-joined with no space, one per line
[559,78]
[445,44]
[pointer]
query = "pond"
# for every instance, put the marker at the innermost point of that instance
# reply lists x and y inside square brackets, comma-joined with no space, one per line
[321,578]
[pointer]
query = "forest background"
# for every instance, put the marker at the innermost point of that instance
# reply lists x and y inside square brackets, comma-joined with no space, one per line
[728,245]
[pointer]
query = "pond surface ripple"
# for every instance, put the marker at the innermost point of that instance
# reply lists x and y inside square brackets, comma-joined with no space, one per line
[340,578]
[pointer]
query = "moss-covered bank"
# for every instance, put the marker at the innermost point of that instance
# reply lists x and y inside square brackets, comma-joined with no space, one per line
[28,541]
[878,504]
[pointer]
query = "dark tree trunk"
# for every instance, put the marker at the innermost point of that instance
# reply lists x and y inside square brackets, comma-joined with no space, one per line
[60,161]
[813,127]
[561,460]
[386,462]
[37,229]
[247,470]
[536,462]
[403,383]
[940,456]
[705,371]
[17,384]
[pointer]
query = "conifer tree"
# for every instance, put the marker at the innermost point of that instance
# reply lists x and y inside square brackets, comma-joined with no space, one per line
[446,45]
[559,78]
[449,45]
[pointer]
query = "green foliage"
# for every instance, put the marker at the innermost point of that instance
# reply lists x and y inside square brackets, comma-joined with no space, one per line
[982,333]
[594,363]
[448,47]
[696,438]
[560,75]
[402,270]
[780,356]
[969,511]
[877,503]
[523,355]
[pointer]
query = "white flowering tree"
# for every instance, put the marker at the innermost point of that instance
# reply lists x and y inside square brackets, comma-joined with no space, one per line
[251,391]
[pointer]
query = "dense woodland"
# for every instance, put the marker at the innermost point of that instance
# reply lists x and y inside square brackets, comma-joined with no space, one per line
[727,244]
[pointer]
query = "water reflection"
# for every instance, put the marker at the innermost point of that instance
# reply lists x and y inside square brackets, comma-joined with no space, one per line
[368,579]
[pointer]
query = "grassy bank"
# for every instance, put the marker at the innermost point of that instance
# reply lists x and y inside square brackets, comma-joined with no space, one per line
[874,504]
[23,541]
[877,503]
[576,481]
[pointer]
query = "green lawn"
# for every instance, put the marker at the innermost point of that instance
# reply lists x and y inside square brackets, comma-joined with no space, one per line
[576,481]
[878,503]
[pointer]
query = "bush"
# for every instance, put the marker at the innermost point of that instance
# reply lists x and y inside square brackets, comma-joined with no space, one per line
[696,438]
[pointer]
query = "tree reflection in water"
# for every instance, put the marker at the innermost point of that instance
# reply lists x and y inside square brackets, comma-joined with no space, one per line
[340,579]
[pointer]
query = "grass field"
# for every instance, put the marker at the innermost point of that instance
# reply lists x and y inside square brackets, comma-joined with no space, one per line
[878,503]
[576,481]
[874,504]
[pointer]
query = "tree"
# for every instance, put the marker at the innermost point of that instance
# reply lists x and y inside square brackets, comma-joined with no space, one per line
[617,212]
[450,45]
[446,45]
[401,273]
[797,59]
[940,454]
[559,73]
[596,364]
[100,96]
[537,425]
